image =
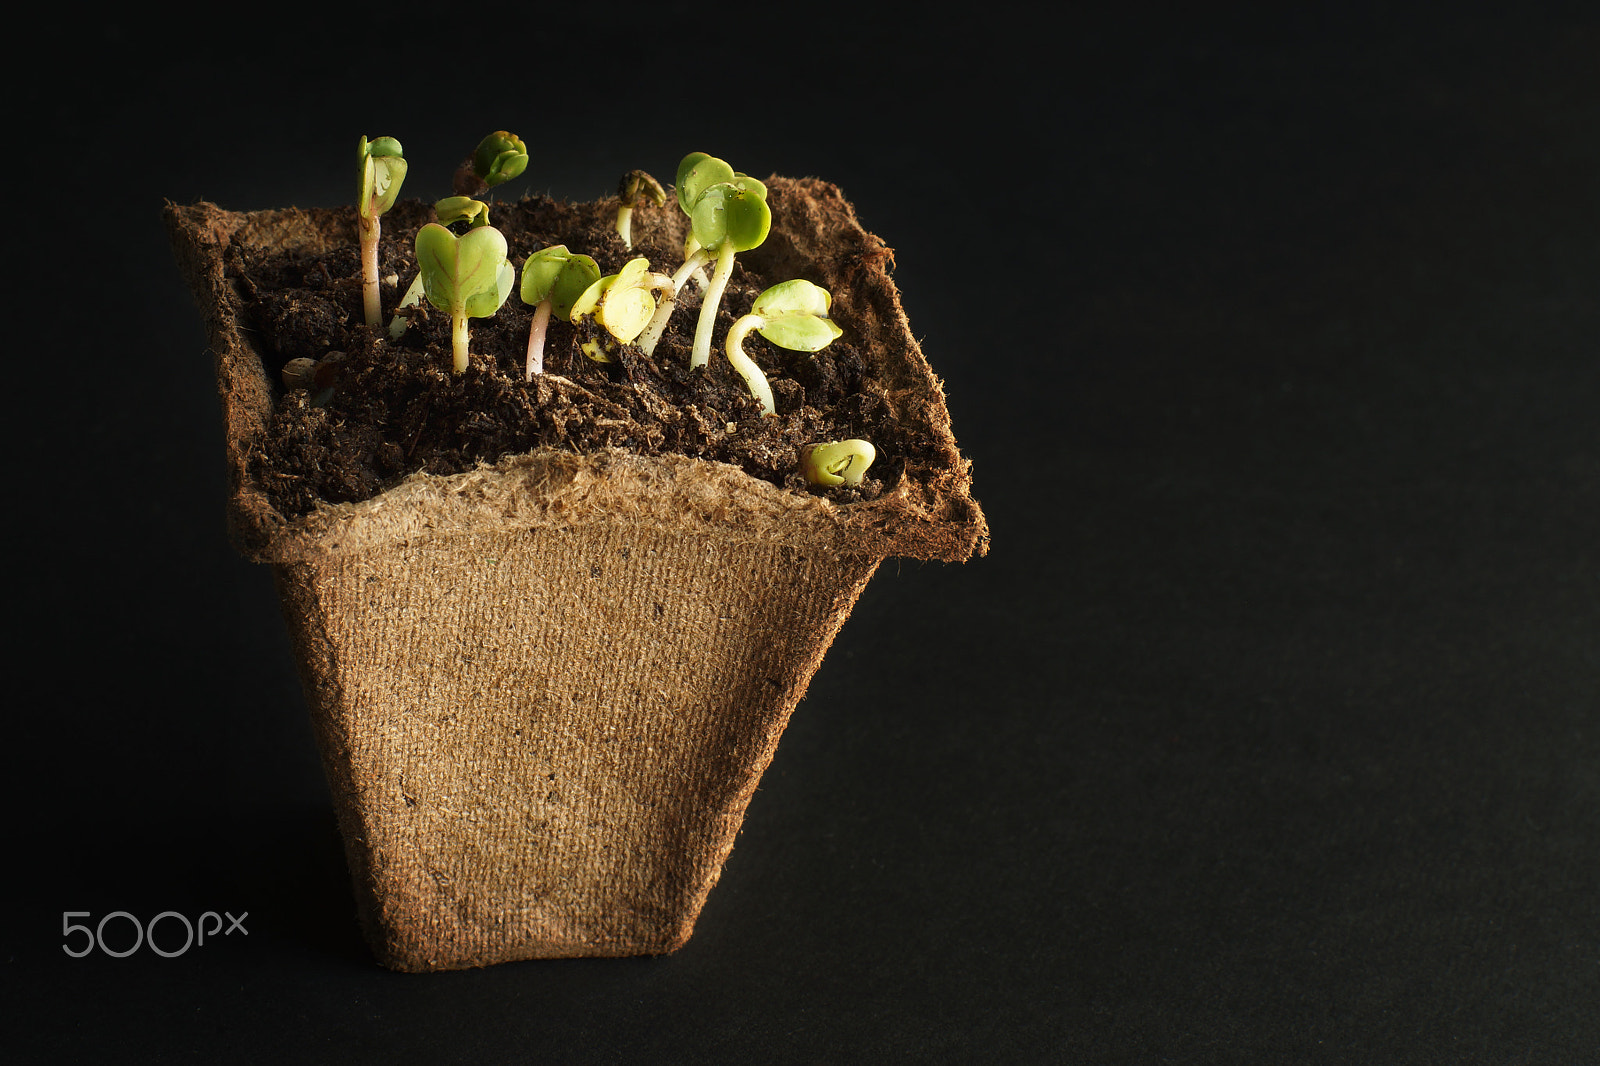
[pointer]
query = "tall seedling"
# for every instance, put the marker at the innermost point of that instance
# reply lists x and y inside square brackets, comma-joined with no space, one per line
[382,170]
[727,214]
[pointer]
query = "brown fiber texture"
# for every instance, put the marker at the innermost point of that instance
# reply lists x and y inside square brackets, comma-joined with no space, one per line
[546,689]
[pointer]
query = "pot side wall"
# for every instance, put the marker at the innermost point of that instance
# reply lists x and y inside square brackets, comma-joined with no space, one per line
[542,744]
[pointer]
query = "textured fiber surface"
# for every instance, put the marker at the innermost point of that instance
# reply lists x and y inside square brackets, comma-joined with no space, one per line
[543,744]
[545,690]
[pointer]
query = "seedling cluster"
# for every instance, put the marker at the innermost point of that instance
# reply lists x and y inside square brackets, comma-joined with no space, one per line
[465,270]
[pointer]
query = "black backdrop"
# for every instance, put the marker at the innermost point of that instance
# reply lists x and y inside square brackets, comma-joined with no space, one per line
[1267,732]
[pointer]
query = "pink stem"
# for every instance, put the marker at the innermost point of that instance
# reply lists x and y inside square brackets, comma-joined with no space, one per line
[536,332]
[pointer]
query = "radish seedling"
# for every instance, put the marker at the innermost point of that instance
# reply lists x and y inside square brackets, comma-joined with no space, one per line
[792,315]
[552,281]
[467,276]
[497,159]
[449,210]
[839,462]
[728,214]
[634,184]
[382,170]
[624,303]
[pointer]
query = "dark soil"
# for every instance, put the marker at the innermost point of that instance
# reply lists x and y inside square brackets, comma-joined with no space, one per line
[397,408]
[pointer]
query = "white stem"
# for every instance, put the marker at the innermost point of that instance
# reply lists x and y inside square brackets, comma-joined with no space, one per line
[459,335]
[536,332]
[708,309]
[693,250]
[371,306]
[656,328]
[625,226]
[747,368]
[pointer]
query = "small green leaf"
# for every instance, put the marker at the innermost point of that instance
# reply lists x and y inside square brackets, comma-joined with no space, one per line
[479,255]
[383,169]
[461,209]
[840,462]
[485,302]
[726,213]
[633,272]
[540,271]
[696,173]
[579,274]
[627,305]
[556,274]
[622,302]
[797,297]
[749,184]
[499,157]
[388,174]
[800,333]
[468,272]
[436,260]
[589,300]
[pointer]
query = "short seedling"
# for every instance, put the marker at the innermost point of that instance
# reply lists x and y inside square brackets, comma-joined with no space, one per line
[450,210]
[382,170]
[792,315]
[840,462]
[498,158]
[634,185]
[454,209]
[728,214]
[552,281]
[316,376]
[467,276]
[624,303]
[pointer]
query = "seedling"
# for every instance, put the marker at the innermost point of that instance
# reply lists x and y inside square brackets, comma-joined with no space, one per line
[382,170]
[696,173]
[552,281]
[792,315]
[454,209]
[497,159]
[467,276]
[839,462]
[449,210]
[728,214]
[624,303]
[634,184]
[316,376]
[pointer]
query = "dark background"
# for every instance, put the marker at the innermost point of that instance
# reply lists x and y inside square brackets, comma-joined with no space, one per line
[1268,730]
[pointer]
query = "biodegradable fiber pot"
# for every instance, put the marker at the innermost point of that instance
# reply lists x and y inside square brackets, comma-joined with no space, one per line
[545,690]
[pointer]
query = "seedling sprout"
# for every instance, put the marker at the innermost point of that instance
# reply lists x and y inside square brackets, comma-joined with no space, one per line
[624,303]
[728,214]
[500,157]
[467,276]
[450,210]
[470,276]
[382,170]
[839,462]
[497,159]
[792,315]
[552,281]
[635,184]
[454,209]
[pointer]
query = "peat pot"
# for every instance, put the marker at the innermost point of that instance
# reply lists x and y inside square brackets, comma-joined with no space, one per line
[545,690]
